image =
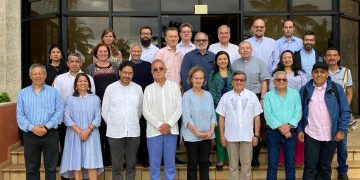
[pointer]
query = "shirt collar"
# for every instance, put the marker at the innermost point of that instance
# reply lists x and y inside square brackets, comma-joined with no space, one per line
[286,40]
[139,61]
[323,87]
[182,45]
[69,74]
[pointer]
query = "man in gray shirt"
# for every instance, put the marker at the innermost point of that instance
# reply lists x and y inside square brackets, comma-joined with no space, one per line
[257,77]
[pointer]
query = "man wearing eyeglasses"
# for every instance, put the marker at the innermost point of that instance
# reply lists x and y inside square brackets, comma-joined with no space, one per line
[185,45]
[198,57]
[257,77]
[239,114]
[224,43]
[162,110]
[282,110]
[264,48]
[148,49]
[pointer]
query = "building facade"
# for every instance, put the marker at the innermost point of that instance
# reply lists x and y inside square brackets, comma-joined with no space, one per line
[30,27]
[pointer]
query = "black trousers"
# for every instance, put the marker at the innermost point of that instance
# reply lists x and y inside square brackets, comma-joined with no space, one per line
[105,147]
[318,156]
[198,154]
[33,146]
[257,148]
[143,155]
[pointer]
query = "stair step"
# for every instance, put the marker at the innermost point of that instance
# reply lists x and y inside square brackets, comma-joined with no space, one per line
[17,172]
[17,155]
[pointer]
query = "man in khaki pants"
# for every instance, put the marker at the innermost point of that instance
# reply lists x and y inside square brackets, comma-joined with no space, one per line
[239,112]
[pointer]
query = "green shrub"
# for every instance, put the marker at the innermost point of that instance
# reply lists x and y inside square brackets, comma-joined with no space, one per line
[4,97]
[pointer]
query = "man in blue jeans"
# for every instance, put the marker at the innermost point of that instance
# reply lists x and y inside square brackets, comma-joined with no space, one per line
[326,114]
[342,76]
[282,110]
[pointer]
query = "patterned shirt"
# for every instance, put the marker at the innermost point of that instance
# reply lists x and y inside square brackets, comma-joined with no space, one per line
[239,112]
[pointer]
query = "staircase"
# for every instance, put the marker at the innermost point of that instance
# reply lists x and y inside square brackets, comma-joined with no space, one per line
[16,171]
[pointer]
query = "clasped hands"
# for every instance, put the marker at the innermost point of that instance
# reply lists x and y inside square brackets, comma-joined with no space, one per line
[39,130]
[205,135]
[285,130]
[84,134]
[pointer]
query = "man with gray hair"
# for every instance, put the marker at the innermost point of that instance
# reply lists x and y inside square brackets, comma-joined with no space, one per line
[282,110]
[198,57]
[239,114]
[224,44]
[143,77]
[64,83]
[258,76]
[39,110]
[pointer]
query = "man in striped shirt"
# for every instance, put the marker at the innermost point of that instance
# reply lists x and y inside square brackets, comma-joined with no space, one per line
[39,111]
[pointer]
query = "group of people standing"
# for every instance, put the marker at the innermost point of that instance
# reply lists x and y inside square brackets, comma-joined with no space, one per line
[262,92]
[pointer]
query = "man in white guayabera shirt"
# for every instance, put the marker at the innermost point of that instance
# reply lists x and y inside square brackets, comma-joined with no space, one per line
[121,110]
[162,109]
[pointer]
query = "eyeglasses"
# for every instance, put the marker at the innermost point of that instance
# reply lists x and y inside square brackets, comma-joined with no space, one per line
[158,69]
[281,80]
[201,40]
[239,80]
[146,34]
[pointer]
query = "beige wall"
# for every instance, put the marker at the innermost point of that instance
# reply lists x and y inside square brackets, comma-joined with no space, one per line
[10,47]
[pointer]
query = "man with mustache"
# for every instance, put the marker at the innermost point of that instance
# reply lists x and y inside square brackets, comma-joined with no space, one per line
[148,49]
[308,56]
[121,110]
[198,57]
[263,48]
[326,115]
[342,76]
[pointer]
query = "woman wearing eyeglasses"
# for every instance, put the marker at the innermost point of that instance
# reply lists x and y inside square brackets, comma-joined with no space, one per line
[296,78]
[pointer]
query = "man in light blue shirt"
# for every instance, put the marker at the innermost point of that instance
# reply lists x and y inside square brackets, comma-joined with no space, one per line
[185,45]
[288,41]
[308,56]
[282,110]
[342,76]
[264,48]
[39,111]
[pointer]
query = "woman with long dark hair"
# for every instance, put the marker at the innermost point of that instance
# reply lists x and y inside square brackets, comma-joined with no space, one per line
[296,78]
[219,82]
[82,152]
[57,65]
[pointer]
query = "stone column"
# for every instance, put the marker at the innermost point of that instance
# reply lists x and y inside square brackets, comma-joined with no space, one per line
[10,47]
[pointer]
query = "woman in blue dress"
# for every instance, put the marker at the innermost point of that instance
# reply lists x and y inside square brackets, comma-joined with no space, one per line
[82,152]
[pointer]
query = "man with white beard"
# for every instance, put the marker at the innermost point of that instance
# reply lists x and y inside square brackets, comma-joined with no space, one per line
[198,57]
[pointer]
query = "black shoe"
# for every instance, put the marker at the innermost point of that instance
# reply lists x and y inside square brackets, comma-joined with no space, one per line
[179,163]
[219,167]
[145,164]
[255,163]
[343,176]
